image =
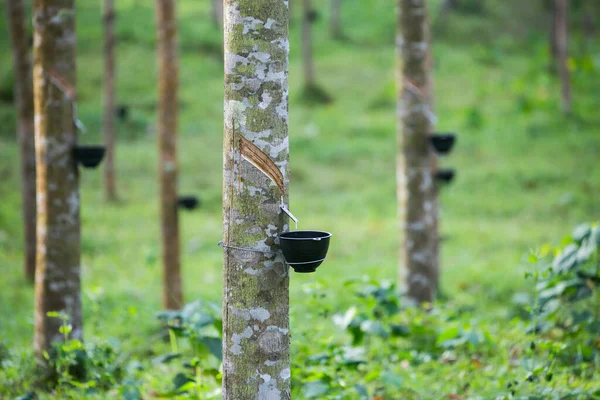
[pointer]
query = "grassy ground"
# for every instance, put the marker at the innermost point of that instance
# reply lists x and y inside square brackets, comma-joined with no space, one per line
[526,174]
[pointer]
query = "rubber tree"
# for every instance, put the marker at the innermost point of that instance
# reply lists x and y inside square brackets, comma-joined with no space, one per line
[110,188]
[168,83]
[562,39]
[256,338]
[57,281]
[335,19]
[417,205]
[307,47]
[25,112]
[217,13]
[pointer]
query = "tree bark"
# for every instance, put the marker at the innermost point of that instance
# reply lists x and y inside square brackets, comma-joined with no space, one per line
[57,283]
[309,68]
[562,38]
[335,19]
[109,101]
[24,102]
[256,337]
[168,70]
[416,190]
[217,13]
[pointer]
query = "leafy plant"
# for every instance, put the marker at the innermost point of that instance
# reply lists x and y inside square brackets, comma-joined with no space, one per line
[200,326]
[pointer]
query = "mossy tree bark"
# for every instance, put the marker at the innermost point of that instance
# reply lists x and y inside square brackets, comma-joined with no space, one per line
[110,188]
[256,338]
[416,189]
[24,101]
[166,25]
[562,39]
[307,47]
[57,283]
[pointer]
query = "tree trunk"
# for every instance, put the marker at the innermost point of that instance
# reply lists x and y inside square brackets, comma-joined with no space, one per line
[562,37]
[335,19]
[588,24]
[309,69]
[24,102]
[256,338]
[217,13]
[57,281]
[166,24]
[109,100]
[552,40]
[416,190]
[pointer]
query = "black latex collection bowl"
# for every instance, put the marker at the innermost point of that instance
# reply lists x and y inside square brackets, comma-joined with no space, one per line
[304,251]
[445,175]
[89,156]
[443,142]
[188,202]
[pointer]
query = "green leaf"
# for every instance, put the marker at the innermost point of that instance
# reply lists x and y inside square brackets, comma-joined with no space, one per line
[390,379]
[374,328]
[315,389]
[581,232]
[214,346]
[362,391]
[130,392]
[165,358]
[345,320]
[448,334]
[566,260]
[180,379]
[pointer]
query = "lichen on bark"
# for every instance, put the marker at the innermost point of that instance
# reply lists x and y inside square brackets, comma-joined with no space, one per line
[256,283]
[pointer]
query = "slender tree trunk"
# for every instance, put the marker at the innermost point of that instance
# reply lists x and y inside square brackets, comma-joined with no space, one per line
[445,9]
[217,13]
[416,189]
[552,40]
[309,68]
[57,281]
[166,24]
[256,337]
[588,24]
[335,19]
[109,100]
[24,98]
[562,37]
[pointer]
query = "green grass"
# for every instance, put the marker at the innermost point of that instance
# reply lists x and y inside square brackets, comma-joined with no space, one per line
[526,175]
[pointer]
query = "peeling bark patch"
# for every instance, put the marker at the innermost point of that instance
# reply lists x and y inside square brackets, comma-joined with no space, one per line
[262,161]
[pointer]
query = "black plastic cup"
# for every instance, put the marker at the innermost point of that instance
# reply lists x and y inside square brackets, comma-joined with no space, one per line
[443,142]
[89,156]
[304,251]
[188,202]
[445,175]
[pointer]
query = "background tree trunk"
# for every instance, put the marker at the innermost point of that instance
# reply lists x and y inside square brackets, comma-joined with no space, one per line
[217,13]
[166,24]
[335,19]
[109,100]
[562,38]
[416,189]
[256,338]
[309,69]
[57,281]
[552,40]
[24,102]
